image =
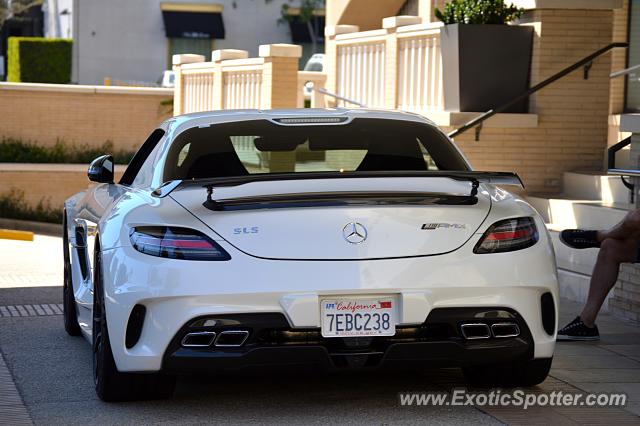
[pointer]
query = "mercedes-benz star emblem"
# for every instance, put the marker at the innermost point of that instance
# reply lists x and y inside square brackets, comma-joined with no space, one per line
[354,232]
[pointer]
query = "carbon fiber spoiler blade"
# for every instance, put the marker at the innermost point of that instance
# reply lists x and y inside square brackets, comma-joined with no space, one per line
[476,178]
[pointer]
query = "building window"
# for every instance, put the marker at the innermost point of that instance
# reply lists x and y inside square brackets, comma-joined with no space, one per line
[633,79]
[198,46]
[192,27]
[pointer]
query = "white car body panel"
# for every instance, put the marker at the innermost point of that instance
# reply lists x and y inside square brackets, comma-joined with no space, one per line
[270,270]
[175,294]
[394,231]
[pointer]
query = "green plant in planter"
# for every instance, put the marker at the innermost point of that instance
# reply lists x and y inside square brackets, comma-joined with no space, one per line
[478,12]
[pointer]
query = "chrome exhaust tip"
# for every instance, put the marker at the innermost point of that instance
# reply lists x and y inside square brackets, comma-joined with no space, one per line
[199,339]
[505,329]
[473,331]
[231,338]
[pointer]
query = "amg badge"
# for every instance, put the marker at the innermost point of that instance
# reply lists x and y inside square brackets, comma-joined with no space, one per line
[432,226]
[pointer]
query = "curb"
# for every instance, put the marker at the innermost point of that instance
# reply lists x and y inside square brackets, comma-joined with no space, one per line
[11,234]
[51,229]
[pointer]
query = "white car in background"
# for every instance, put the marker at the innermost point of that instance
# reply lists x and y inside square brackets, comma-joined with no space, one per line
[315,63]
[167,79]
[362,239]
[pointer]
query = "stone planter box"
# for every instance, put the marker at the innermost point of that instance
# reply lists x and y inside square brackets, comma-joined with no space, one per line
[485,66]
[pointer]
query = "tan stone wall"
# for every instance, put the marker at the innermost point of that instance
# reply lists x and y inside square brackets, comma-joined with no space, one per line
[625,302]
[81,114]
[367,14]
[280,83]
[47,183]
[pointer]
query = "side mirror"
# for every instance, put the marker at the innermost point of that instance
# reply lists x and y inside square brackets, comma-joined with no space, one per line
[101,169]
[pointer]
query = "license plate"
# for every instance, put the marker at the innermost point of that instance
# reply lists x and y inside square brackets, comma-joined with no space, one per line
[353,317]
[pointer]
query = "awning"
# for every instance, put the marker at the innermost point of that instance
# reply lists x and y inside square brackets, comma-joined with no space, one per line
[189,20]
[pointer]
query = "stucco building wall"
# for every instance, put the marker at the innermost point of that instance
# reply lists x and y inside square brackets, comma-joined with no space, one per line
[126,40]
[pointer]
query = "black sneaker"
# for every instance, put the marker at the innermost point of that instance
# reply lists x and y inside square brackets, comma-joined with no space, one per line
[577,330]
[580,238]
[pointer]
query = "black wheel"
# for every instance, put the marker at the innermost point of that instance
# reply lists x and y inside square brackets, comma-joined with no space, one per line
[111,385]
[509,375]
[71,325]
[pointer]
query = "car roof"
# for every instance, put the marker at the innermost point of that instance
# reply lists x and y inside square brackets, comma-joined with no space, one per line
[182,122]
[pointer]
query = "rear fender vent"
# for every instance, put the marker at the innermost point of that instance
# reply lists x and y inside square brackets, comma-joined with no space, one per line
[134,326]
[548,313]
[81,249]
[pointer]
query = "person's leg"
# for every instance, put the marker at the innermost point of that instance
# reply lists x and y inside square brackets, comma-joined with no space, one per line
[629,228]
[612,253]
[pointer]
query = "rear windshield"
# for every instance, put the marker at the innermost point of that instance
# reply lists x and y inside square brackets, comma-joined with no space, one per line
[261,146]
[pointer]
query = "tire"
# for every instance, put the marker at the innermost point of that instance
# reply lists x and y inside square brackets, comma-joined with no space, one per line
[110,384]
[70,315]
[516,374]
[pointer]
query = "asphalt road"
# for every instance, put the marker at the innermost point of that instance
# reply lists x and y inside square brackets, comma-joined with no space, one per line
[52,371]
[53,377]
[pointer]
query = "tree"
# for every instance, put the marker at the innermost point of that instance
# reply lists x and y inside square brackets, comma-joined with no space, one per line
[11,8]
[306,16]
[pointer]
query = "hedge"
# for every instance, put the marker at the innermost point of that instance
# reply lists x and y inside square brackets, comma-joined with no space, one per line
[18,151]
[14,206]
[39,60]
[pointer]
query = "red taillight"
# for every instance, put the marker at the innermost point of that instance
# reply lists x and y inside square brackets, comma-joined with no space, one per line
[176,243]
[508,235]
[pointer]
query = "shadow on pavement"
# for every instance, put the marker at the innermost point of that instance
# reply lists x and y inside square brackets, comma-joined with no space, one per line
[53,372]
[30,295]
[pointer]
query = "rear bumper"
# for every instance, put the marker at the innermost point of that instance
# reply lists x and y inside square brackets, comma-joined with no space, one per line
[438,342]
[176,292]
[398,355]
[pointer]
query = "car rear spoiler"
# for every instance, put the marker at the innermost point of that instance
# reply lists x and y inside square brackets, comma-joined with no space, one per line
[475,178]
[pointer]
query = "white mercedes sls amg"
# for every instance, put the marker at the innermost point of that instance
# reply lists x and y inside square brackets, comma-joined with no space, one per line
[337,239]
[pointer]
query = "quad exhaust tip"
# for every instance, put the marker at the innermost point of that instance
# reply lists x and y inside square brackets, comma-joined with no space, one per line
[232,338]
[479,330]
[505,329]
[200,339]
[224,339]
[473,331]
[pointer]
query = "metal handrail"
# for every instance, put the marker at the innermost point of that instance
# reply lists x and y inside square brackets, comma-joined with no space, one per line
[585,62]
[340,97]
[611,160]
[624,72]
[624,172]
[613,170]
[613,150]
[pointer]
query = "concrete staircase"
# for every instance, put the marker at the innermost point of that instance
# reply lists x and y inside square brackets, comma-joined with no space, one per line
[591,201]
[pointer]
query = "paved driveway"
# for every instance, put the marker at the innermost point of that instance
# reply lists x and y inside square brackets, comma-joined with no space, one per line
[52,372]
